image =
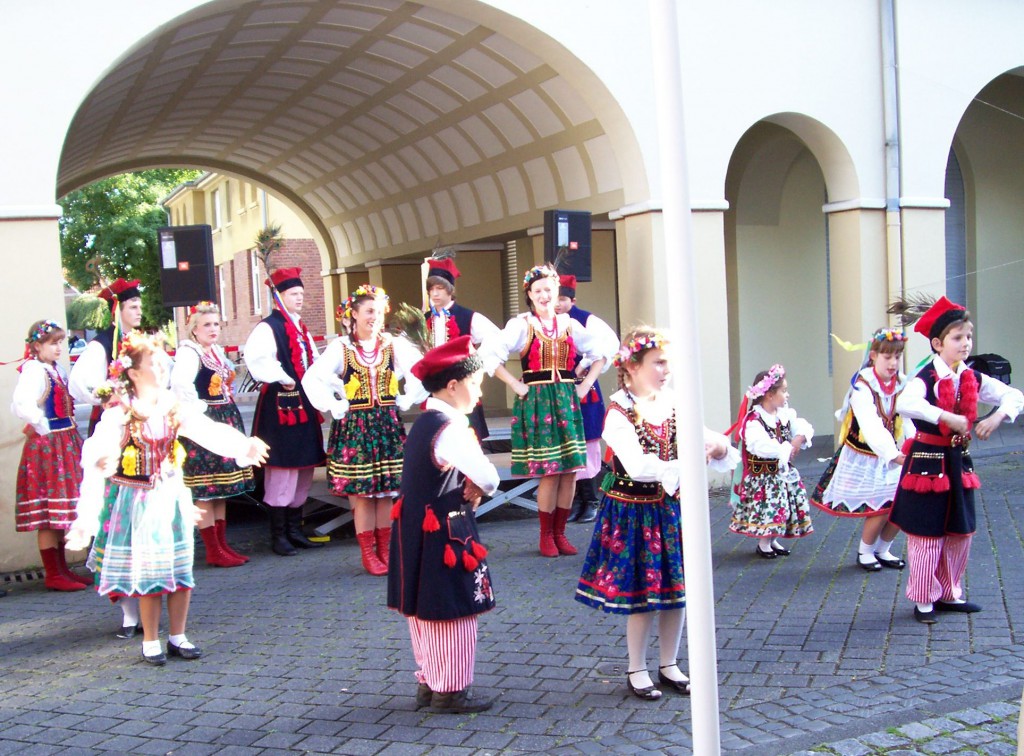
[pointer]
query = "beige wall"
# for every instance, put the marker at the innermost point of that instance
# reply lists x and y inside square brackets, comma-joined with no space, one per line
[37,245]
[782,307]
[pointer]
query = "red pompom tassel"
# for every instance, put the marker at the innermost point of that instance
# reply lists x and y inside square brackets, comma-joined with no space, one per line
[971,480]
[396,509]
[430,523]
[303,417]
[469,561]
[291,418]
[449,556]
[479,550]
[909,482]
[907,443]
[940,484]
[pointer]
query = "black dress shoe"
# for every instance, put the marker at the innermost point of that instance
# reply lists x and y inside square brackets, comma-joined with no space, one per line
[873,566]
[926,618]
[423,695]
[764,554]
[780,551]
[459,702]
[892,564]
[964,607]
[157,660]
[184,653]
[127,632]
[650,693]
[588,513]
[681,687]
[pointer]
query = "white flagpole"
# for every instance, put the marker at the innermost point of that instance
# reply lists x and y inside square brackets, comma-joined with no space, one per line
[683,325]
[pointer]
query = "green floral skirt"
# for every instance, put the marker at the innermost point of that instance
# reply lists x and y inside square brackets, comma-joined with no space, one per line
[547,431]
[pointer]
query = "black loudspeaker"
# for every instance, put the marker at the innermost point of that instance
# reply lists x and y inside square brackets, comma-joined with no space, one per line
[569,229]
[186,265]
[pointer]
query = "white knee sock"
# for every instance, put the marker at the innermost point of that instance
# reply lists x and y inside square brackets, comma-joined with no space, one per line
[130,610]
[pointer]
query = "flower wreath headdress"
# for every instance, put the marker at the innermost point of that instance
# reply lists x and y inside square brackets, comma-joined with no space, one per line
[638,344]
[44,328]
[775,374]
[204,305]
[538,272]
[365,290]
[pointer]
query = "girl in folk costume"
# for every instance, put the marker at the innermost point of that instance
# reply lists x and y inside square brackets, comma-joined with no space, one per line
[278,353]
[439,579]
[547,428]
[934,504]
[861,479]
[49,474]
[635,562]
[142,514]
[768,499]
[447,319]
[356,380]
[203,374]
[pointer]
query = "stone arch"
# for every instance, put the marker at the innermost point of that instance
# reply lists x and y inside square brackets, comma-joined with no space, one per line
[387,124]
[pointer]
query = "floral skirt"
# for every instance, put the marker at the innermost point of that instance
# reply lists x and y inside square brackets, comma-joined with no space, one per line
[547,431]
[365,452]
[209,475]
[635,560]
[766,505]
[145,544]
[48,479]
[856,485]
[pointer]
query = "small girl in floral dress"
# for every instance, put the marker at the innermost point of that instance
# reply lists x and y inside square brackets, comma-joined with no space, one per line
[49,473]
[635,562]
[768,499]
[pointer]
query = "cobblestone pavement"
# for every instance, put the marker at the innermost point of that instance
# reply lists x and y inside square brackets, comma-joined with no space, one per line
[815,655]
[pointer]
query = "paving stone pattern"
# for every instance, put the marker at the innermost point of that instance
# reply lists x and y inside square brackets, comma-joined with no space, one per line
[815,655]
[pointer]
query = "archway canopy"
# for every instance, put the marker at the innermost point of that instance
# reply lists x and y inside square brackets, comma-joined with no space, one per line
[390,125]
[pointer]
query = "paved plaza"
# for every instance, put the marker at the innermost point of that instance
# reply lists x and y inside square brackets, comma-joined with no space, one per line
[301,655]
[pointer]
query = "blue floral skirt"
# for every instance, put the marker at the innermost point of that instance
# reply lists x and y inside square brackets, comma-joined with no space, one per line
[635,560]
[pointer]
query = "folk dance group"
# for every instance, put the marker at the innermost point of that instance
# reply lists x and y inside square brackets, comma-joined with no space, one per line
[170,436]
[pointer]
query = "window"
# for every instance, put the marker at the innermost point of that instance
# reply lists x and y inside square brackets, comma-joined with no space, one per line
[223,293]
[215,201]
[254,280]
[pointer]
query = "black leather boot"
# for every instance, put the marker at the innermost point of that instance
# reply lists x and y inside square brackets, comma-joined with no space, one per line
[278,540]
[293,530]
[591,499]
[577,502]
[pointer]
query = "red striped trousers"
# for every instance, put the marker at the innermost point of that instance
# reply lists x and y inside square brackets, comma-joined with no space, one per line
[937,566]
[445,652]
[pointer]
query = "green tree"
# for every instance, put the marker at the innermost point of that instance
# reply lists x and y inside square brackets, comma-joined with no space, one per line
[108,230]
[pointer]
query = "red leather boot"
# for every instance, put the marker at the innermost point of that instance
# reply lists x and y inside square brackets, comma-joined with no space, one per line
[55,579]
[547,540]
[383,536]
[560,517]
[368,550]
[215,555]
[222,527]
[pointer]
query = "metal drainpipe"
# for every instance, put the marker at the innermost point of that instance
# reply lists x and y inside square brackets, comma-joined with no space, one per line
[891,114]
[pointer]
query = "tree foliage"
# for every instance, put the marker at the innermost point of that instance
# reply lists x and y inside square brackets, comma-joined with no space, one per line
[86,312]
[108,230]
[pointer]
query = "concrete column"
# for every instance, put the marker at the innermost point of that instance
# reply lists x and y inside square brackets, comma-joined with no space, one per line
[860,287]
[640,240]
[30,237]
[709,260]
[924,263]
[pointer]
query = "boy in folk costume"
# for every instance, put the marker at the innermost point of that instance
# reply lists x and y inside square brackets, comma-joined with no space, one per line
[277,353]
[90,370]
[447,319]
[934,504]
[587,497]
[438,578]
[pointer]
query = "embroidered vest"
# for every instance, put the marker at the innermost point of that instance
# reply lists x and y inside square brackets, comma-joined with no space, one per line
[143,457]
[761,465]
[57,402]
[546,359]
[365,388]
[654,439]
[214,379]
[854,438]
